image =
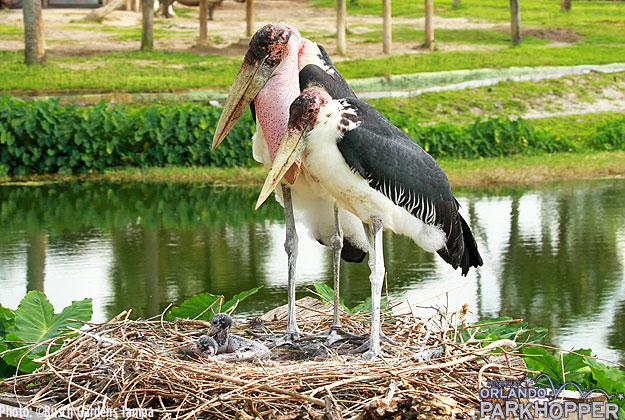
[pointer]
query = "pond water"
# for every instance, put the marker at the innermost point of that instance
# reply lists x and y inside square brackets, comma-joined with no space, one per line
[553,255]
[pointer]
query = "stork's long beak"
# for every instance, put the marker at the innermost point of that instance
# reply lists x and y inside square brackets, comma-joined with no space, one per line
[250,80]
[292,146]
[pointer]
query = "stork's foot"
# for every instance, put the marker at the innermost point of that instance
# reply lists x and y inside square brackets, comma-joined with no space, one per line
[335,335]
[366,348]
[288,339]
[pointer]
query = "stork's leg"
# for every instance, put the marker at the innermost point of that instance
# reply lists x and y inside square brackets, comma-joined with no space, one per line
[376,264]
[336,333]
[290,246]
[337,246]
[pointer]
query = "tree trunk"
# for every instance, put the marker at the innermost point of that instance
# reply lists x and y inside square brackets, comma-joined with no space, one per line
[109,7]
[147,27]
[34,43]
[565,5]
[429,25]
[387,37]
[203,23]
[249,18]
[515,22]
[341,13]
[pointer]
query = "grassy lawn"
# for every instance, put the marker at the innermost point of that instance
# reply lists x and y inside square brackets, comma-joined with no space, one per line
[132,71]
[592,33]
[505,99]
[160,71]
[524,55]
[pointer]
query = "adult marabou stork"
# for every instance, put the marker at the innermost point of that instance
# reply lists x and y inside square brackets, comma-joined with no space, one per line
[377,172]
[277,65]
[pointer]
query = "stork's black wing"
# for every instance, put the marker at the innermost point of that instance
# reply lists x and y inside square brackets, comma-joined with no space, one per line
[395,165]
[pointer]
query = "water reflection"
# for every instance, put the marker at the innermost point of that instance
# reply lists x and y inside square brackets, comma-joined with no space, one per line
[553,255]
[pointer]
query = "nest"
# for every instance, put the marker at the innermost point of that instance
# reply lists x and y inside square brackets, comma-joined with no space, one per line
[125,364]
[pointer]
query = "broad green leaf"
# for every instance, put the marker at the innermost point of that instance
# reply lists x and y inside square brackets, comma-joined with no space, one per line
[6,371]
[327,294]
[366,305]
[22,357]
[7,318]
[238,298]
[516,331]
[537,358]
[191,308]
[576,368]
[35,320]
[610,379]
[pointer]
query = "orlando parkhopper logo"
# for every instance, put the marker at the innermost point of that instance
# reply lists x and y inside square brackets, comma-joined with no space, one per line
[527,400]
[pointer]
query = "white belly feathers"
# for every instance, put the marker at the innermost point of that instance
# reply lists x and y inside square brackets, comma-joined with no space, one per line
[323,159]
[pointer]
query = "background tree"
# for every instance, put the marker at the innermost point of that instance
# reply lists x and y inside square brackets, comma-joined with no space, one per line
[429,25]
[515,21]
[34,43]
[565,5]
[387,37]
[249,18]
[203,23]
[341,13]
[147,27]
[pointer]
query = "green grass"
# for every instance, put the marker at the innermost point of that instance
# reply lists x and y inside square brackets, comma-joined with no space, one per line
[513,170]
[124,33]
[11,32]
[599,25]
[505,99]
[521,169]
[524,55]
[131,71]
[463,36]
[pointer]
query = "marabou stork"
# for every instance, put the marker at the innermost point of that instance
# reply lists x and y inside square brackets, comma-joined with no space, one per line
[377,172]
[278,65]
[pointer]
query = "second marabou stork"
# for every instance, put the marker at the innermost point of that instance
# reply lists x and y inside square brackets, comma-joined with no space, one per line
[377,172]
[277,66]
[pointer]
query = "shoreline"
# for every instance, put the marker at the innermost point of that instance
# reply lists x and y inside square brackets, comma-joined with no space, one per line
[485,172]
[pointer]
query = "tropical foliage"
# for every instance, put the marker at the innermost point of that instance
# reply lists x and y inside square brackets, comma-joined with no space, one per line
[34,322]
[44,137]
[575,366]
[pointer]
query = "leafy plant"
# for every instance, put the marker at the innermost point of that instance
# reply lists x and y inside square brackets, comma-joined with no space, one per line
[494,329]
[34,321]
[576,366]
[205,305]
[44,137]
[610,136]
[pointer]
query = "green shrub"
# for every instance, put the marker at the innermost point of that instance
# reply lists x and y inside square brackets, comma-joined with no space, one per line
[44,137]
[610,136]
[484,138]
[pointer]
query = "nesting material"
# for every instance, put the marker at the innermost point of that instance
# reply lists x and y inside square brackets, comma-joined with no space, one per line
[125,363]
